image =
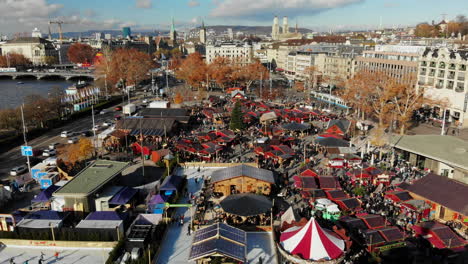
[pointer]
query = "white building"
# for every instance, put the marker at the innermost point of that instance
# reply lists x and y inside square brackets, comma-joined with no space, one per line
[36,33]
[443,75]
[239,52]
[35,49]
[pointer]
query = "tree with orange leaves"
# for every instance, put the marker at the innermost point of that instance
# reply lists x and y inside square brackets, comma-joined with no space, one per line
[192,70]
[13,59]
[252,72]
[220,70]
[372,93]
[178,99]
[81,53]
[126,65]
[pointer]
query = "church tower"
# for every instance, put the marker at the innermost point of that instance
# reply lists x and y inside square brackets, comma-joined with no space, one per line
[203,33]
[275,29]
[173,33]
[285,25]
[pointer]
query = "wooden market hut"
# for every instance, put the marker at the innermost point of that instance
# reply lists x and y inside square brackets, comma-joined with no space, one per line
[242,179]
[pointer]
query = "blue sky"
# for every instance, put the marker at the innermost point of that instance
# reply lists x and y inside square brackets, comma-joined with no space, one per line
[153,14]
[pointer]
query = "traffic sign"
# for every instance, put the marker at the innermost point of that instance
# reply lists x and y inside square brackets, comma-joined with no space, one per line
[26,151]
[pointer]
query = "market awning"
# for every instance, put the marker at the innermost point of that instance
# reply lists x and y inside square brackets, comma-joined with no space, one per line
[45,195]
[123,196]
[171,183]
[246,204]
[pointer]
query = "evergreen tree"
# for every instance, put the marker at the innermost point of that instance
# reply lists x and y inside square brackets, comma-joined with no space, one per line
[237,122]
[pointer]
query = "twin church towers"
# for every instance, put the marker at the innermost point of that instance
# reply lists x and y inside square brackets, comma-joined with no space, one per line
[284,34]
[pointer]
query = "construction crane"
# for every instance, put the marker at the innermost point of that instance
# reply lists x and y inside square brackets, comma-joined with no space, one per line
[59,23]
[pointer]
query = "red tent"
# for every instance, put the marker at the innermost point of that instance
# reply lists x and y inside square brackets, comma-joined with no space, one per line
[312,242]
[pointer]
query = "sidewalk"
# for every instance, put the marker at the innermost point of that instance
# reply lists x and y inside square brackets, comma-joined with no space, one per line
[175,248]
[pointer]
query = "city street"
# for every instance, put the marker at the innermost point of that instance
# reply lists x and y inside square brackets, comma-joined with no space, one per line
[13,158]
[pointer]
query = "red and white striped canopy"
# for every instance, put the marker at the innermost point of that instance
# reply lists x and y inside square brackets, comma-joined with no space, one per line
[312,242]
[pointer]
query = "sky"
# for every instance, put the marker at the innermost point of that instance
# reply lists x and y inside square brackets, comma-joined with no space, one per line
[318,15]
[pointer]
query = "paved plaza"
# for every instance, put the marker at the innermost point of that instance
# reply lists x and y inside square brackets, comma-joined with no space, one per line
[66,255]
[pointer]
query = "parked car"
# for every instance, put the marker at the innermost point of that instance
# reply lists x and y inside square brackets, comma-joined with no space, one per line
[104,111]
[96,127]
[117,117]
[106,123]
[72,140]
[49,152]
[54,145]
[64,134]
[18,170]
[118,108]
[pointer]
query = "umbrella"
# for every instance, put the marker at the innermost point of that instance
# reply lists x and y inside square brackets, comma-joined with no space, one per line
[246,204]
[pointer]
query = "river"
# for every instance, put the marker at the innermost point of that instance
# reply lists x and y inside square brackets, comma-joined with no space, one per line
[12,92]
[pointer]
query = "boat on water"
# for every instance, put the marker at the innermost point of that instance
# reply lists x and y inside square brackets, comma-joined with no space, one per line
[74,89]
[20,83]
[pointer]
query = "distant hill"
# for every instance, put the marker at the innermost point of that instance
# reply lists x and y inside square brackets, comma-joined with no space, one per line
[253,30]
[248,30]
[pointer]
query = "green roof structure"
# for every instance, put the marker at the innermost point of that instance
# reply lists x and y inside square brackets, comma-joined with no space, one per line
[447,149]
[92,178]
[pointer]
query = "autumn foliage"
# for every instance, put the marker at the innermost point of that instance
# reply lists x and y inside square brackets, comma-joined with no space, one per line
[127,65]
[13,60]
[222,71]
[178,99]
[385,98]
[81,53]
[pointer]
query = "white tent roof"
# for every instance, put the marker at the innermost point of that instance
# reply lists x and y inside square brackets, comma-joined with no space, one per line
[312,242]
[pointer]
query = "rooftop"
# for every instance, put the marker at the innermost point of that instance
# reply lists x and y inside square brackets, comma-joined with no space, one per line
[446,149]
[242,170]
[442,190]
[92,178]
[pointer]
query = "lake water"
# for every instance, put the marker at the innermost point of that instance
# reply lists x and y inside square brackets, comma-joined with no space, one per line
[12,93]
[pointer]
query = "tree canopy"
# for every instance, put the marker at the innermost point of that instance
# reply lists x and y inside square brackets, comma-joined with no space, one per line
[237,120]
[81,53]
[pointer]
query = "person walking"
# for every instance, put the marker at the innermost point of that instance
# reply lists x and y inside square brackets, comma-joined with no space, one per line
[12,261]
[189,230]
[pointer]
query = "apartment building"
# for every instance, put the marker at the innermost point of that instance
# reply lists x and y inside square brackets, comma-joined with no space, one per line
[397,61]
[443,75]
[241,52]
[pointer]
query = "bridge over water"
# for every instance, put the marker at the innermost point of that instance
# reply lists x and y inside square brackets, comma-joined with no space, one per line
[67,75]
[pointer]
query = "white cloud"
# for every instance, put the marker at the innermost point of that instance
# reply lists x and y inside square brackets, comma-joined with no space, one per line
[263,9]
[193,3]
[144,3]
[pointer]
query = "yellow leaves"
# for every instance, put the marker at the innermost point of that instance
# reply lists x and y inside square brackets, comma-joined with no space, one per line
[79,151]
[178,99]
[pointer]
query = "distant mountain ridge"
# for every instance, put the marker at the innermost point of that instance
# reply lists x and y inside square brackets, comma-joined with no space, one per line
[248,30]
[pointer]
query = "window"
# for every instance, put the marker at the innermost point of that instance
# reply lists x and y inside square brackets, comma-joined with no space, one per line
[37,53]
[462,67]
[433,64]
[460,88]
[442,65]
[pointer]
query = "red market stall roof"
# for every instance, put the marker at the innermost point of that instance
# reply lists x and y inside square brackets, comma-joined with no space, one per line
[399,196]
[315,194]
[308,183]
[391,234]
[328,182]
[373,221]
[336,194]
[308,172]
[348,203]
[312,242]
[440,236]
